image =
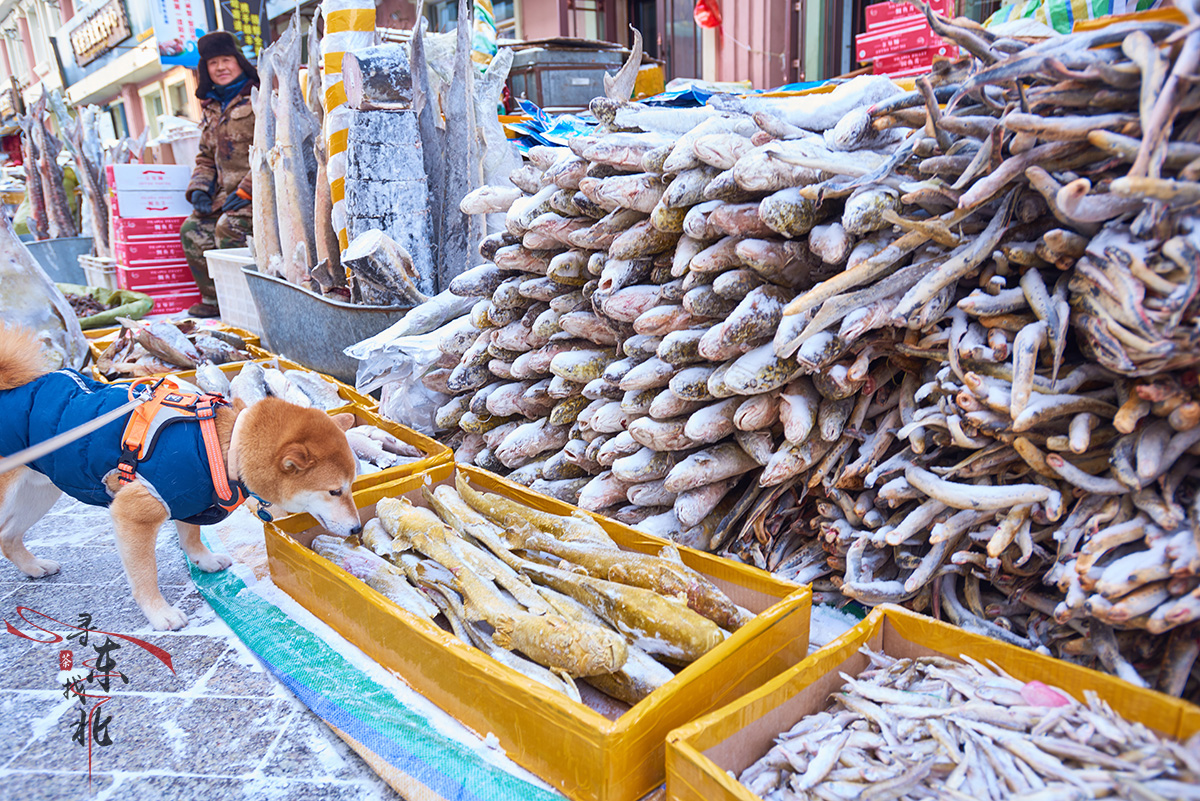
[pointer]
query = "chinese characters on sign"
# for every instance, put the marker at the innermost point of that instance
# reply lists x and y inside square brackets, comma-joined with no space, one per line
[177,26]
[99,32]
[90,682]
[241,18]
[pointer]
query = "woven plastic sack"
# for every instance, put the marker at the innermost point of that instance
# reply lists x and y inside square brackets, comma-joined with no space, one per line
[1061,15]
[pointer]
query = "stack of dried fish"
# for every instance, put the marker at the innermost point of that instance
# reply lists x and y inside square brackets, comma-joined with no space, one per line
[550,596]
[941,342]
[152,348]
[933,727]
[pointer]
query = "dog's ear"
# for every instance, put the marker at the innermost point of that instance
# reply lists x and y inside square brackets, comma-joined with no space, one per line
[239,405]
[295,458]
[345,420]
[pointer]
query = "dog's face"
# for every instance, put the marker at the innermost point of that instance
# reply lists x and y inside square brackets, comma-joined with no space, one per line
[300,461]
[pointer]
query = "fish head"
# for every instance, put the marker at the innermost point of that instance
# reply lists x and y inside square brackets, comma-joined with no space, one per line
[299,460]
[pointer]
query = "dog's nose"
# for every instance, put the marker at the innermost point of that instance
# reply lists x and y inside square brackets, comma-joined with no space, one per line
[354,532]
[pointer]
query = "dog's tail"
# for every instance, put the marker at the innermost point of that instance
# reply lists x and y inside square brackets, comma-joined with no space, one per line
[22,358]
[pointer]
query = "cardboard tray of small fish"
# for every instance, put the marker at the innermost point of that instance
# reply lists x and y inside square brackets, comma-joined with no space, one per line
[349,398]
[225,344]
[705,757]
[102,337]
[617,755]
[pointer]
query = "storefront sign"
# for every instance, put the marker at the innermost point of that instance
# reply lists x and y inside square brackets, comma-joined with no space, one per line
[242,19]
[101,31]
[177,26]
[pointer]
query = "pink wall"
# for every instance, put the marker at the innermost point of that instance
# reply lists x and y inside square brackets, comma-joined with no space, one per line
[134,115]
[539,19]
[761,26]
[66,10]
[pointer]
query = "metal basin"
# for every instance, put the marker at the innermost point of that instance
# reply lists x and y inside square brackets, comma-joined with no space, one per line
[314,330]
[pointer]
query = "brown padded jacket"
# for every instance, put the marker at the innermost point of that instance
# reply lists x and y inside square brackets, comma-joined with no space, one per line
[223,163]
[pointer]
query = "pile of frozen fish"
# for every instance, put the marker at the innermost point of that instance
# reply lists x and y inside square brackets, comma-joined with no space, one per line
[143,348]
[552,597]
[293,224]
[933,347]
[934,727]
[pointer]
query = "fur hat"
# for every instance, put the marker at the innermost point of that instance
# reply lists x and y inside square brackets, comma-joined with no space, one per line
[220,43]
[217,43]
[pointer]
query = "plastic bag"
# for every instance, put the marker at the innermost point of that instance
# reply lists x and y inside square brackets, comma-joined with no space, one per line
[29,298]
[118,303]
[398,370]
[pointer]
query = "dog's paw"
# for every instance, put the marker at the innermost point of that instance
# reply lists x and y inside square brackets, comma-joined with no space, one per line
[39,568]
[167,618]
[212,562]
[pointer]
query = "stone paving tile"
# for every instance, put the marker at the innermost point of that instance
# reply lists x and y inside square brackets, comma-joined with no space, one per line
[38,786]
[111,606]
[29,715]
[205,736]
[239,674]
[77,565]
[309,749]
[156,788]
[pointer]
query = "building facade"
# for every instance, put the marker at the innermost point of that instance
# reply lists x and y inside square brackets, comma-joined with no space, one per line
[101,52]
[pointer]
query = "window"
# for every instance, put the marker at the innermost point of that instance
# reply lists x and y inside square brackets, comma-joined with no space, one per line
[152,101]
[177,99]
[113,124]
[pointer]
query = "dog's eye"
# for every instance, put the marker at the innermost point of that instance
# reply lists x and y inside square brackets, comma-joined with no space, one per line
[335,493]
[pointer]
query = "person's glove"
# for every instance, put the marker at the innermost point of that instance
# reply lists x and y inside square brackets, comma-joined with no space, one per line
[238,200]
[202,203]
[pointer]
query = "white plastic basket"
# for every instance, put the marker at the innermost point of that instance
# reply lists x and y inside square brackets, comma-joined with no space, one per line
[99,272]
[233,293]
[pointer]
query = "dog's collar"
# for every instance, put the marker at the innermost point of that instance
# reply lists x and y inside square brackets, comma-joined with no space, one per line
[233,470]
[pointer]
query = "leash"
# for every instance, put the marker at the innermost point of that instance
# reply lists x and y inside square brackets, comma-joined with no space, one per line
[45,447]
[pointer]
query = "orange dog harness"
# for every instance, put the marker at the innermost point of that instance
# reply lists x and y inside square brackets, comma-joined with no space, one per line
[168,405]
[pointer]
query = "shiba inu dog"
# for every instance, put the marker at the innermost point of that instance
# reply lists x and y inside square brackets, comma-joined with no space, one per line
[194,470]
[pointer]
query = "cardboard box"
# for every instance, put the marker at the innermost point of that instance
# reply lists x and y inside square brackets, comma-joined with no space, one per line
[148,177]
[171,302]
[167,249]
[581,752]
[155,276]
[138,229]
[735,737]
[902,35]
[881,14]
[923,59]
[150,203]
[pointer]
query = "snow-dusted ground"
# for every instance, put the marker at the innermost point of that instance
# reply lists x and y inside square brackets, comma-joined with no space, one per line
[222,726]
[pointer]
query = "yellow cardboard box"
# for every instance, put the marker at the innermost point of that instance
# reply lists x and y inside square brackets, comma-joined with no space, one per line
[583,753]
[735,737]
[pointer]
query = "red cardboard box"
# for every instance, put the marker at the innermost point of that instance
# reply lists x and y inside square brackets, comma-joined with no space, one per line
[150,250]
[904,36]
[153,277]
[137,229]
[174,301]
[880,14]
[904,62]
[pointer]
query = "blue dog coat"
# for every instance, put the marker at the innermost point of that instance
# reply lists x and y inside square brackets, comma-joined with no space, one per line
[176,467]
